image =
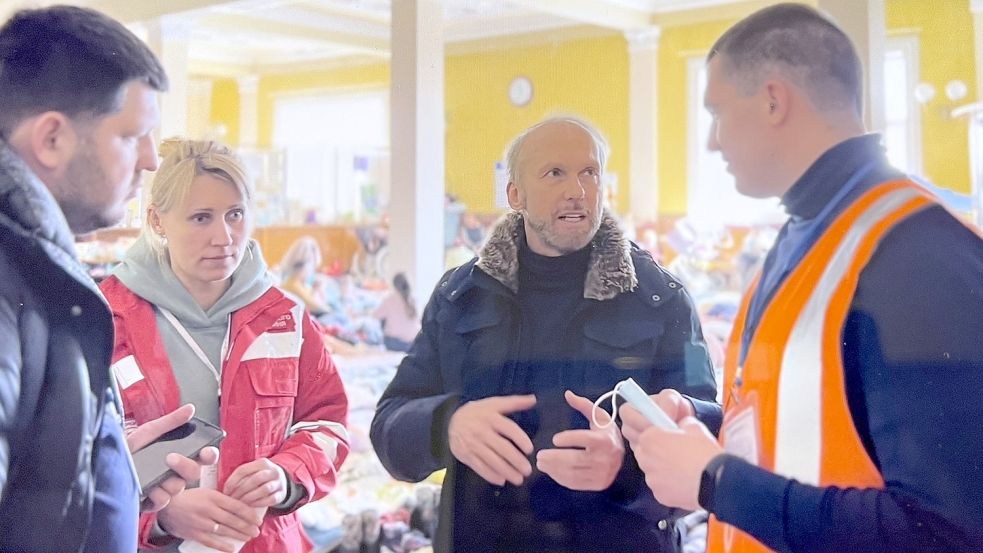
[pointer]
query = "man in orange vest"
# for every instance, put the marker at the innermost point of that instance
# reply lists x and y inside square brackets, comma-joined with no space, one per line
[853,392]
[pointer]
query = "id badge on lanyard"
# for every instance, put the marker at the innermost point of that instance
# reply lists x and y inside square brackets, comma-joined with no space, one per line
[740,433]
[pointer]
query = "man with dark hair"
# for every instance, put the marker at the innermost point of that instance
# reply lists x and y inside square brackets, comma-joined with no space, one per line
[558,307]
[852,385]
[70,60]
[77,106]
[812,53]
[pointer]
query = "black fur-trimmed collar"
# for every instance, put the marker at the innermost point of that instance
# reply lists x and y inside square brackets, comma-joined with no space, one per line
[611,270]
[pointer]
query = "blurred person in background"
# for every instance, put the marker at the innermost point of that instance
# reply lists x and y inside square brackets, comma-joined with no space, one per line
[397,315]
[298,276]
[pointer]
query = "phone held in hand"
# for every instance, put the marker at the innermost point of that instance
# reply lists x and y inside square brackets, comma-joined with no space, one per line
[639,399]
[187,440]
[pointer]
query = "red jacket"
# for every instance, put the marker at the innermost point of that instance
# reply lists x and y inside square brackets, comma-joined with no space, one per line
[282,397]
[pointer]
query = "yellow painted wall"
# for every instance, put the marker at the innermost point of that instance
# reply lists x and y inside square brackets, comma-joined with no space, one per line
[945,29]
[588,77]
[225,108]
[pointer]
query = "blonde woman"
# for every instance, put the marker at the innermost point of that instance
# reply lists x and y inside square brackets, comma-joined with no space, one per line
[199,321]
[297,268]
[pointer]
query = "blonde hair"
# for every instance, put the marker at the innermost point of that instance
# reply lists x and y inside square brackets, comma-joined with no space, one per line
[304,252]
[182,161]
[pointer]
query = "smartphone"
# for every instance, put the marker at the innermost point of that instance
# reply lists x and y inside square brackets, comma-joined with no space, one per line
[188,440]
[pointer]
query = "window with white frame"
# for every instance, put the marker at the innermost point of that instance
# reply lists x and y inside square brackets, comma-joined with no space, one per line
[713,199]
[902,118]
[337,155]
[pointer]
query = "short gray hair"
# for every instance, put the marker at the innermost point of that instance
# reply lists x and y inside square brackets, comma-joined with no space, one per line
[514,148]
[800,43]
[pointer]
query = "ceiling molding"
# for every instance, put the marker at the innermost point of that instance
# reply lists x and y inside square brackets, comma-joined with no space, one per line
[142,10]
[529,39]
[232,37]
[268,26]
[348,12]
[594,12]
[709,10]
[322,64]
[670,6]
[504,25]
[217,70]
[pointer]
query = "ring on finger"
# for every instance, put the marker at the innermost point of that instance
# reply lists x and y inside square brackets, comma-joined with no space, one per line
[215,528]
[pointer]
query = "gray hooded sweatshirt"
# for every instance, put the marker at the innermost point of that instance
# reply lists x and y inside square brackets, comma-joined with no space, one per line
[146,276]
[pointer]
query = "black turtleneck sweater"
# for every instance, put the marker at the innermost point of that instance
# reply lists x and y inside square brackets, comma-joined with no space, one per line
[913,364]
[551,292]
[550,289]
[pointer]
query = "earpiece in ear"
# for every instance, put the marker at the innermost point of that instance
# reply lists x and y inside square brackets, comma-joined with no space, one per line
[771,107]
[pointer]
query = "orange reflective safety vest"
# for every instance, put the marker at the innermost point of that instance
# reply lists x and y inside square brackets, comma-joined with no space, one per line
[794,365]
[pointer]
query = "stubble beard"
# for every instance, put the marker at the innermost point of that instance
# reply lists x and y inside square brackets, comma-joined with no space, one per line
[565,243]
[83,212]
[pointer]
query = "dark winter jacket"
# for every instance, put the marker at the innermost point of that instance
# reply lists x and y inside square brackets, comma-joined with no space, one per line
[634,320]
[56,339]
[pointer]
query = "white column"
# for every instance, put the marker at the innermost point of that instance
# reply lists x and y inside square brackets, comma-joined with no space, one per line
[416,243]
[169,37]
[248,110]
[199,107]
[864,22]
[643,123]
[977,8]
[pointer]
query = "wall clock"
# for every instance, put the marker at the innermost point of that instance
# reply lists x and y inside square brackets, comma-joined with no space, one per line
[520,91]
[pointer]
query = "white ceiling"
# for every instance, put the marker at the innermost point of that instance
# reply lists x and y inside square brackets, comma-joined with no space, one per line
[240,37]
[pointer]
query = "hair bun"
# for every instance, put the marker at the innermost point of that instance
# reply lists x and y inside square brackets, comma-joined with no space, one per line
[171,146]
[183,148]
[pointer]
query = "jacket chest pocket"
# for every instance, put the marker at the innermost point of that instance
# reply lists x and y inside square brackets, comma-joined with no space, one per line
[274,383]
[620,350]
[482,349]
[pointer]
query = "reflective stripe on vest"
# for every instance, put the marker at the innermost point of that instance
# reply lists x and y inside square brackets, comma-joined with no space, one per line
[798,429]
[794,359]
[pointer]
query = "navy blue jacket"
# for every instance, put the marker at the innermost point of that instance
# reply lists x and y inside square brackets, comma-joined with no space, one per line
[65,473]
[634,320]
[913,362]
